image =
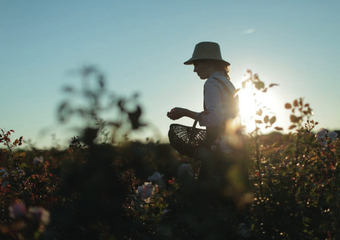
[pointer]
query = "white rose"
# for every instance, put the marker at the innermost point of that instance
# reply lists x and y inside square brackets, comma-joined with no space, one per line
[321,134]
[165,211]
[333,136]
[224,145]
[185,168]
[243,230]
[4,173]
[156,176]
[40,213]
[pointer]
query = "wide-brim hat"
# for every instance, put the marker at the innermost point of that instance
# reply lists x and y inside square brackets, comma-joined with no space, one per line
[206,50]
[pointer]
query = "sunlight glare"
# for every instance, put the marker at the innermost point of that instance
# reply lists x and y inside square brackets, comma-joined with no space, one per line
[247,107]
[250,103]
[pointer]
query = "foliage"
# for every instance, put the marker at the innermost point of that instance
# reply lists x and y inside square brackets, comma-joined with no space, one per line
[101,188]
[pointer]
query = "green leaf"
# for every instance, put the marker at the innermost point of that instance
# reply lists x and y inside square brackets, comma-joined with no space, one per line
[23,165]
[22,154]
[296,103]
[266,119]
[292,126]
[272,120]
[259,85]
[259,112]
[294,119]
[288,106]
[300,102]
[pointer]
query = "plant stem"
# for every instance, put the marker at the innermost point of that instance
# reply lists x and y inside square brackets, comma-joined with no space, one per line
[258,160]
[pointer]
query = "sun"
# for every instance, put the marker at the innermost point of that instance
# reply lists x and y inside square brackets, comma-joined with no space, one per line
[249,104]
[247,108]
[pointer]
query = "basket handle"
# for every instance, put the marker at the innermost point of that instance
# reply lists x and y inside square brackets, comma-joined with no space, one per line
[194,126]
[196,120]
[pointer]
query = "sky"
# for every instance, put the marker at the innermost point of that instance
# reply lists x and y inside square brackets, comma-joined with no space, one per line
[140,47]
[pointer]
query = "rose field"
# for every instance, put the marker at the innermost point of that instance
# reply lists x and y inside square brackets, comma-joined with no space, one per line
[105,186]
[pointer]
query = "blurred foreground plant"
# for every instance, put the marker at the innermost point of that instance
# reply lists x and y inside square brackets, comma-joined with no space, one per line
[92,100]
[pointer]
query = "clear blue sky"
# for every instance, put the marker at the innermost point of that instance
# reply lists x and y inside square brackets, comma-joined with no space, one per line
[141,47]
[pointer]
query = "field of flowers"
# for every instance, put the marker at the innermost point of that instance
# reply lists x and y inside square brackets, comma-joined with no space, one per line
[287,186]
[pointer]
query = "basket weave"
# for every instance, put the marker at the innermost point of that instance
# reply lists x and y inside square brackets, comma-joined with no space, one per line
[186,139]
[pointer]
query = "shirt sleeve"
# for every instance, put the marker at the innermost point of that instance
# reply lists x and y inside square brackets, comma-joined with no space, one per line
[214,115]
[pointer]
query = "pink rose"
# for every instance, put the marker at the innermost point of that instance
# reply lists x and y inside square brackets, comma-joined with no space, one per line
[17,209]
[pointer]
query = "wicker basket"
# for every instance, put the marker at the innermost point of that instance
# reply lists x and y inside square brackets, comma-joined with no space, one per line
[186,139]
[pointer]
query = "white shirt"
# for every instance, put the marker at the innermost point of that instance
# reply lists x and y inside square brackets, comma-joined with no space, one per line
[218,106]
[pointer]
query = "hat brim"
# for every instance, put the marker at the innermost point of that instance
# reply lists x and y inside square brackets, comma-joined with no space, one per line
[191,61]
